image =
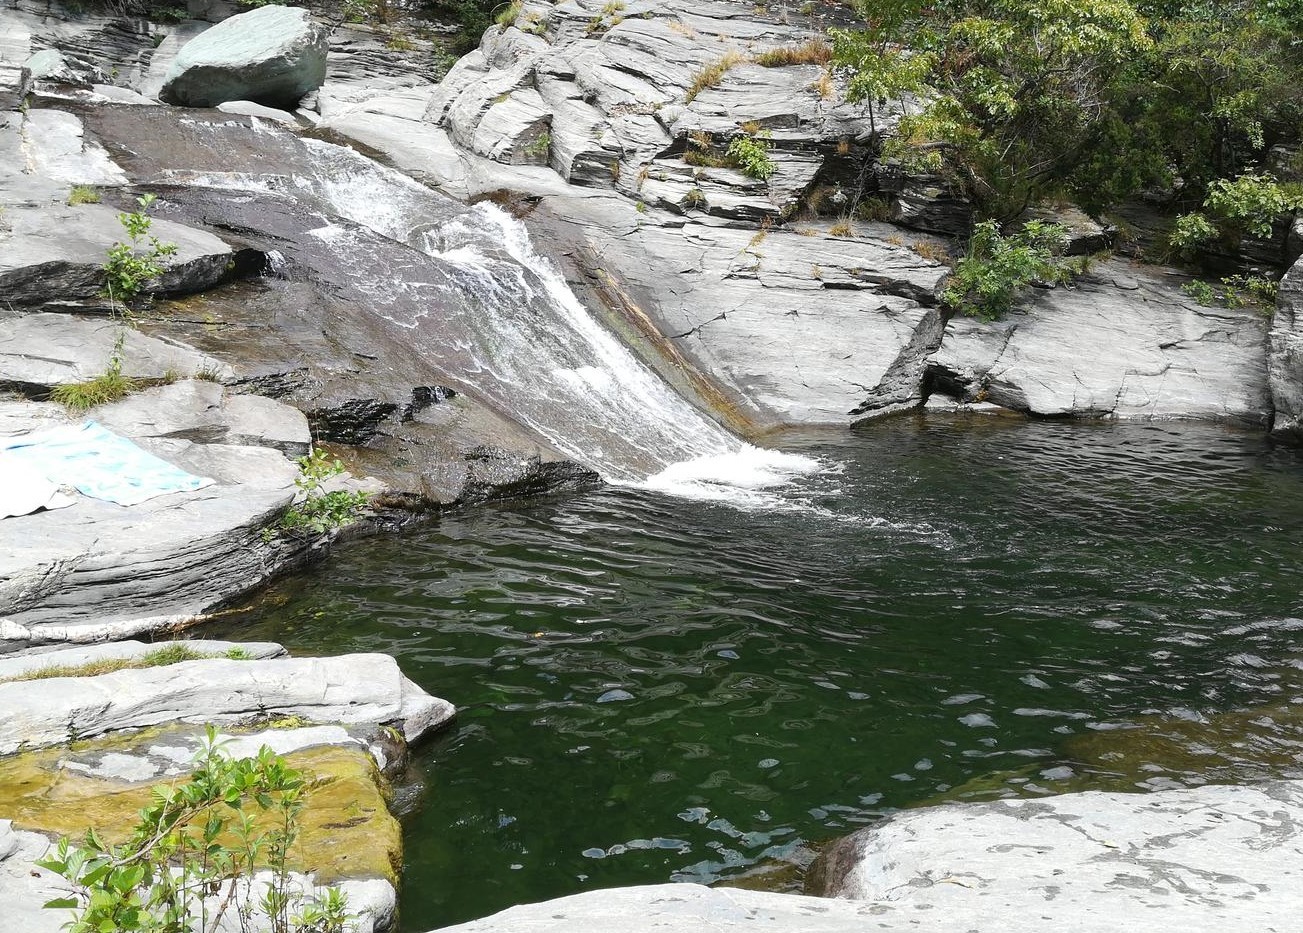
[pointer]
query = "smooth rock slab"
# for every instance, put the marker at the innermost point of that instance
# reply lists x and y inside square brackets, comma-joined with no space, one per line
[272,55]
[40,351]
[358,688]
[1124,342]
[1219,858]
[56,252]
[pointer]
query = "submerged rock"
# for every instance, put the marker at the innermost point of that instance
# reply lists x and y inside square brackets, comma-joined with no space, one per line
[272,55]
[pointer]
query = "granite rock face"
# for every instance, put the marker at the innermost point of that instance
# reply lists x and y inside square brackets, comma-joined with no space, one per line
[1123,342]
[271,55]
[1211,858]
[1285,358]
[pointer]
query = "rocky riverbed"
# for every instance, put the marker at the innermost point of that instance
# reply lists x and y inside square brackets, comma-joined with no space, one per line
[283,320]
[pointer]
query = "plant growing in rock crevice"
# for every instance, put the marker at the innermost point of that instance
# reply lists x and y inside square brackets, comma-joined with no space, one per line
[194,854]
[128,268]
[987,280]
[751,155]
[321,511]
[133,264]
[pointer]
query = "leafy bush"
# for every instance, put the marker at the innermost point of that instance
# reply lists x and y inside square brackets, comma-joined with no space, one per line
[751,155]
[1247,205]
[322,511]
[1237,291]
[987,280]
[133,264]
[1095,100]
[194,852]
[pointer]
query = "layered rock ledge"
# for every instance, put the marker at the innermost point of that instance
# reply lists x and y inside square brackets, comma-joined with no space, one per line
[86,733]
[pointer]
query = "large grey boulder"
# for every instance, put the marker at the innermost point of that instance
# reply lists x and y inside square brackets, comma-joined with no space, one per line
[1123,342]
[1285,356]
[54,252]
[272,55]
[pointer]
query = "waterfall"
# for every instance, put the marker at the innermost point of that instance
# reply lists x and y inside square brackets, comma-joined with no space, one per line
[500,319]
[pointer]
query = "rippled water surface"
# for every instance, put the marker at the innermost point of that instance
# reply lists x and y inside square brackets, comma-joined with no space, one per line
[659,689]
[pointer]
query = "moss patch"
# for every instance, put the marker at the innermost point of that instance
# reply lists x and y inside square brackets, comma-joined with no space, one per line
[171,654]
[346,829]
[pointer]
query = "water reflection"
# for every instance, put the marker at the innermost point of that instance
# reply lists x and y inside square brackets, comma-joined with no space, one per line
[655,689]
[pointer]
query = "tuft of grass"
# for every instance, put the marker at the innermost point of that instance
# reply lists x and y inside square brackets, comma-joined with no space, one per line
[811,52]
[209,374]
[931,251]
[842,228]
[509,15]
[174,653]
[83,194]
[711,75]
[873,209]
[824,86]
[107,387]
[287,722]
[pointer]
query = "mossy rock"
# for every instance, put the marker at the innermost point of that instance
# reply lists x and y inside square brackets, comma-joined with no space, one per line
[345,830]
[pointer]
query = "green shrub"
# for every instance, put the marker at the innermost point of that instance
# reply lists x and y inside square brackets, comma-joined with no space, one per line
[133,264]
[190,856]
[1237,291]
[322,511]
[987,280]
[751,154]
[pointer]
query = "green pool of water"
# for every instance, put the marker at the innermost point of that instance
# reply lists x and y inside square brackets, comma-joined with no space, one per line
[656,689]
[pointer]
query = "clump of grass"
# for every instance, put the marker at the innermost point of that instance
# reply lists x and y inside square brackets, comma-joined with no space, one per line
[824,86]
[931,251]
[509,15]
[174,653]
[109,386]
[83,194]
[711,75]
[842,228]
[811,52]
[873,209]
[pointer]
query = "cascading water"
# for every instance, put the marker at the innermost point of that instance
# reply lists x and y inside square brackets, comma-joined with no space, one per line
[519,336]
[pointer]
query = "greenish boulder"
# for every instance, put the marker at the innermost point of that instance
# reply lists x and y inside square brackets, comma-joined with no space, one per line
[272,55]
